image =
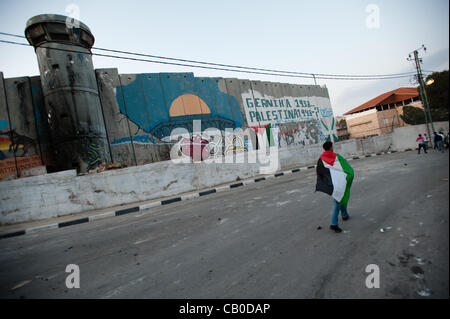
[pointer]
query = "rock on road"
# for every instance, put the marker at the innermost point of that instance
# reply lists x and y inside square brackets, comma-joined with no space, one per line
[258,241]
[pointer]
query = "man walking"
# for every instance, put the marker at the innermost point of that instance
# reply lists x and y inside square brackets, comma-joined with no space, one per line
[421,141]
[438,142]
[335,177]
[427,141]
[441,134]
[447,140]
[435,141]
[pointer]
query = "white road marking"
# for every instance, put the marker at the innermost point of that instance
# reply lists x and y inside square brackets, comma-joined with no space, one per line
[101,216]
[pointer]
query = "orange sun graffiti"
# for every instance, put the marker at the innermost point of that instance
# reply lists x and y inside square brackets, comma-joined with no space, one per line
[188,104]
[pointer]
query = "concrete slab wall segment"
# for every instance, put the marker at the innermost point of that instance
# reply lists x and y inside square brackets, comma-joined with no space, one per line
[246,93]
[148,148]
[18,91]
[135,109]
[234,92]
[218,104]
[376,144]
[350,147]
[307,131]
[116,122]
[181,98]
[230,86]
[8,165]
[24,141]
[405,137]
[148,142]
[260,95]
[319,105]
[207,92]
[41,119]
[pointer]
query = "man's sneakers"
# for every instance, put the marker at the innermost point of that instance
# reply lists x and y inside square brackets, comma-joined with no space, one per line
[335,228]
[345,217]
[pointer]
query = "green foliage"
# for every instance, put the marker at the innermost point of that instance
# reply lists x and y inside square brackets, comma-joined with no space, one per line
[437,94]
[413,115]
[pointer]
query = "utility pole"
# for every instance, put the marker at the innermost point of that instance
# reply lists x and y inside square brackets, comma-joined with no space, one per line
[422,91]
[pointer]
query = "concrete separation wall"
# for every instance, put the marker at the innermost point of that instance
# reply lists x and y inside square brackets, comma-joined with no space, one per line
[64,193]
[24,140]
[405,137]
[298,156]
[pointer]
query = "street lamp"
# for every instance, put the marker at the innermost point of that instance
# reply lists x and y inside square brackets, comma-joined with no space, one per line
[429,82]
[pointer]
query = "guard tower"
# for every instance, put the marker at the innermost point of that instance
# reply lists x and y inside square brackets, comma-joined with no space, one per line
[77,128]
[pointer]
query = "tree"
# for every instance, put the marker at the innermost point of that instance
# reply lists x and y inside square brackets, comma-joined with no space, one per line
[438,95]
[413,115]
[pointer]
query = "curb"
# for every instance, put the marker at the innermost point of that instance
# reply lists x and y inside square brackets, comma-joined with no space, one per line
[169,201]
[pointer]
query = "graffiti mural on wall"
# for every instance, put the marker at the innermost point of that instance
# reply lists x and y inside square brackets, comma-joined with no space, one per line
[195,147]
[14,143]
[298,133]
[91,154]
[236,144]
[17,152]
[329,131]
[23,137]
[176,103]
[301,119]
[154,104]
[17,141]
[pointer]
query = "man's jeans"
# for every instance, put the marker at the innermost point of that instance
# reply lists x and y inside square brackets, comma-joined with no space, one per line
[336,208]
[440,146]
[424,148]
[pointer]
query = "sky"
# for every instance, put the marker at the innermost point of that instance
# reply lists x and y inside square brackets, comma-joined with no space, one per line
[334,37]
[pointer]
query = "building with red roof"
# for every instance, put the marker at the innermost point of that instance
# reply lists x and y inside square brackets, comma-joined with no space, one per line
[381,114]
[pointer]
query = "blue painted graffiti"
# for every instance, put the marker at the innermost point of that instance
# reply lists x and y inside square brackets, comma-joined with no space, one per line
[158,103]
[326,112]
[4,124]
[140,139]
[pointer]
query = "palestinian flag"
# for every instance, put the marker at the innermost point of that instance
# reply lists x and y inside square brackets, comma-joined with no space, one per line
[334,177]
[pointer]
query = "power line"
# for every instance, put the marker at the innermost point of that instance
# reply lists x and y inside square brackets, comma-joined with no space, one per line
[227,65]
[225,68]
[244,67]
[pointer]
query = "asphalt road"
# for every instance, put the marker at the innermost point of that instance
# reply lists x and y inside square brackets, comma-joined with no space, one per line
[258,241]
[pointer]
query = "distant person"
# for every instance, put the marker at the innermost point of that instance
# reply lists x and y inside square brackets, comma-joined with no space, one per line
[441,134]
[435,141]
[421,141]
[427,141]
[438,142]
[335,177]
[447,140]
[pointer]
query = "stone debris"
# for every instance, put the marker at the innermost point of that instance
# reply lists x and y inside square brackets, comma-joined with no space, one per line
[424,292]
[21,284]
[104,167]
